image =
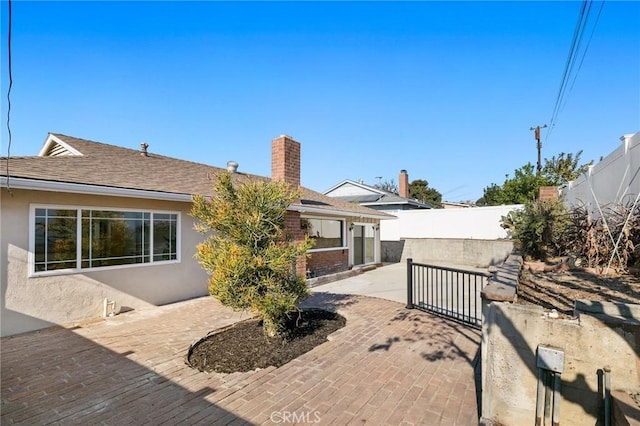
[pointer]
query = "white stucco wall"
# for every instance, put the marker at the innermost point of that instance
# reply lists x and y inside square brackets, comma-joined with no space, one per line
[31,303]
[472,223]
[613,180]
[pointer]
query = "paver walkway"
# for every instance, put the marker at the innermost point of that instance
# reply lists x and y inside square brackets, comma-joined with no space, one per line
[388,365]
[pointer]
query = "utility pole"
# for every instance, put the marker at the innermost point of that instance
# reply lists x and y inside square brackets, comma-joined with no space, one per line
[539,144]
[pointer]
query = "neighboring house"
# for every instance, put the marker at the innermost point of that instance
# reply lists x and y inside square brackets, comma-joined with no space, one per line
[374,198]
[83,223]
[454,205]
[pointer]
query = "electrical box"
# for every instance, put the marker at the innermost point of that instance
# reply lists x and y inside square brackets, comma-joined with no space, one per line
[551,359]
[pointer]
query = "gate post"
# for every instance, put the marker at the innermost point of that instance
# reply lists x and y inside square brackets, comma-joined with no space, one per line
[409,284]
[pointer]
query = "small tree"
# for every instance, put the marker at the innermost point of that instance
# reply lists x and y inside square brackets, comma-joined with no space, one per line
[419,190]
[387,185]
[523,186]
[564,168]
[250,255]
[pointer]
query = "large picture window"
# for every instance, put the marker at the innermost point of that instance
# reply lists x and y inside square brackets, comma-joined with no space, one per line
[85,238]
[327,233]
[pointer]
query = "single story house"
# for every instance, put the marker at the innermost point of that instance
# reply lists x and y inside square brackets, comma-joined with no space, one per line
[375,198]
[84,224]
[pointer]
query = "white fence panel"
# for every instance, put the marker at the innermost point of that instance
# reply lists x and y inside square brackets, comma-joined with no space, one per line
[463,223]
[615,179]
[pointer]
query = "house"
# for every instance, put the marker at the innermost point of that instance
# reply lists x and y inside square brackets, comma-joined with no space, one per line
[378,199]
[86,224]
[454,205]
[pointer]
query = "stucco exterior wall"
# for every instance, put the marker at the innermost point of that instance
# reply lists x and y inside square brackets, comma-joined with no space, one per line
[511,336]
[31,303]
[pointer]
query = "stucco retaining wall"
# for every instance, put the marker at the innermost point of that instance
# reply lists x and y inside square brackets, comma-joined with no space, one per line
[511,335]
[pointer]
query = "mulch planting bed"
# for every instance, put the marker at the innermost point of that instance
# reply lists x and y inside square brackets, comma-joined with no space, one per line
[244,346]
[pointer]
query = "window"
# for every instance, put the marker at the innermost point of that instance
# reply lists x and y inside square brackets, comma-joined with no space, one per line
[85,239]
[327,233]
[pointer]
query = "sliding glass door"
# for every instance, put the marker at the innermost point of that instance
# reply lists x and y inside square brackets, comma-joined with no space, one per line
[364,238]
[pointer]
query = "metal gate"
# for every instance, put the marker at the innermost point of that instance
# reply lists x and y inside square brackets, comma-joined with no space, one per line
[449,292]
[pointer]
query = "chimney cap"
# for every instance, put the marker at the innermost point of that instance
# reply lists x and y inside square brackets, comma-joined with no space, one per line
[143,148]
[232,166]
[403,171]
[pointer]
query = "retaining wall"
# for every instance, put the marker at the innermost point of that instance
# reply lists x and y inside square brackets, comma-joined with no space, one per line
[602,334]
[477,253]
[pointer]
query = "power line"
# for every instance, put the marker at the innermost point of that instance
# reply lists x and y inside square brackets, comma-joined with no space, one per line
[9,93]
[574,53]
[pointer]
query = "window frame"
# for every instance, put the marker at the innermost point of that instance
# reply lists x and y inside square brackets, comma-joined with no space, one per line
[78,259]
[343,233]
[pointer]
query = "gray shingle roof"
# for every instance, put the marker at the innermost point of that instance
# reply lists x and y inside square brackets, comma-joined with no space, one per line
[115,167]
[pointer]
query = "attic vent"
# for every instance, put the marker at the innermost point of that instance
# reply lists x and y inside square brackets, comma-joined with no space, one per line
[232,166]
[143,149]
[58,151]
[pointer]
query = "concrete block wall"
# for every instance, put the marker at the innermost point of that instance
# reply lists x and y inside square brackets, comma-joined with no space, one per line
[479,253]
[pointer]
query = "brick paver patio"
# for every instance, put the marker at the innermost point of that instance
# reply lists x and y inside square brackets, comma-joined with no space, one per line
[388,365]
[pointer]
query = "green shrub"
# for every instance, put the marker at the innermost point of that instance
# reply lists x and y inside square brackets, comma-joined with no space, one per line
[250,255]
[538,227]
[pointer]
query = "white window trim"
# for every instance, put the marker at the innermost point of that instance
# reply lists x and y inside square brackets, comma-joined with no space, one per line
[78,270]
[345,244]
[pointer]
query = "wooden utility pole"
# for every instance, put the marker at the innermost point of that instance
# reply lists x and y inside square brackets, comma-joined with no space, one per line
[539,144]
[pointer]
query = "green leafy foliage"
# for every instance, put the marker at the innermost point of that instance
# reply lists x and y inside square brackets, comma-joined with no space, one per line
[520,189]
[558,171]
[523,186]
[537,229]
[250,255]
[419,190]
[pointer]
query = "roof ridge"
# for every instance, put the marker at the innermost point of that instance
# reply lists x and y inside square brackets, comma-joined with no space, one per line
[150,154]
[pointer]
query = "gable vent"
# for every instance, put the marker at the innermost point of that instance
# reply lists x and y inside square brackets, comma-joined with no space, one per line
[54,147]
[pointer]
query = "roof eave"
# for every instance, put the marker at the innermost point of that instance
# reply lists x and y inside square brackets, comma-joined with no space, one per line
[390,203]
[336,212]
[79,188]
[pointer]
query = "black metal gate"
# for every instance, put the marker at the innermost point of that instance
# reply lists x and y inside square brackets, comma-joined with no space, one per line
[452,293]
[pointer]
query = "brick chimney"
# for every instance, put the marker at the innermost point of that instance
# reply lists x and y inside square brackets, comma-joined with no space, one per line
[285,166]
[403,184]
[285,160]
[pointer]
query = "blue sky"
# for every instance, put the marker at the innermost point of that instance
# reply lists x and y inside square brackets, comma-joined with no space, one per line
[446,90]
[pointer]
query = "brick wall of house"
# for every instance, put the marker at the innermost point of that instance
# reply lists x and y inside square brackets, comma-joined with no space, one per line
[328,262]
[292,224]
